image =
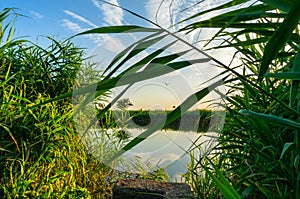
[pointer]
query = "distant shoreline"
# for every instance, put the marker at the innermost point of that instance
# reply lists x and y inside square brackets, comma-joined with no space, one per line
[197,120]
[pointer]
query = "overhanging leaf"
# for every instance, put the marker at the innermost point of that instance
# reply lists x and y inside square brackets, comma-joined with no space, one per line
[119,29]
[272,119]
[188,103]
[285,5]
[279,38]
[140,47]
[286,75]
[152,58]
[223,6]
[296,82]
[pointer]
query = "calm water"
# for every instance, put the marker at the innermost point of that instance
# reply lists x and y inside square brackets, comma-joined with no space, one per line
[165,148]
[171,149]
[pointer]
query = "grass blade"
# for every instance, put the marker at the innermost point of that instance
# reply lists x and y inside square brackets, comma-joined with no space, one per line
[140,47]
[285,5]
[295,83]
[222,183]
[223,6]
[285,148]
[119,29]
[286,75]
[271,119]
[188,103]
[279,38]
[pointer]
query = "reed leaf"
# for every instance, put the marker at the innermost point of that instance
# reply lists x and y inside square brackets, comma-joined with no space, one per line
[284,5]
[271,119]
[286,147]
[184,106]
[227,5]
[222,183]
[119,29]
[140,47]
[279,38]
[285,75]
[295,82]
[149,60]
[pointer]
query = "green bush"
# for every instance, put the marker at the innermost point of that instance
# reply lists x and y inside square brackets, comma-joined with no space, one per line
[41,154]
[259,147]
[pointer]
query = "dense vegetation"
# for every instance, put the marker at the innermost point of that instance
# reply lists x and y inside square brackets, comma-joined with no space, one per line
[142,119]
[259,146]
[258,152]
[41,151]
[41,154]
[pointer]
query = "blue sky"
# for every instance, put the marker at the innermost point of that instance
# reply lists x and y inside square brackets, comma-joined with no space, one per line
[64,18]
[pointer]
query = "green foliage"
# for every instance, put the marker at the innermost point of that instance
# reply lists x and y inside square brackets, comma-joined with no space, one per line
[50,71]
[201,181]
[260,142]
[258,149]
[131,75]
[222,183]
[192,118]
[41,154]
[124,103]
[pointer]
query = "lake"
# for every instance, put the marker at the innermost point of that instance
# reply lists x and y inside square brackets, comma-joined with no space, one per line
[171,149]
[165,148]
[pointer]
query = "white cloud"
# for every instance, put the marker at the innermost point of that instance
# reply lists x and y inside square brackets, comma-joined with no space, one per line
[159,12]
[75,27]
[36,15]
[96,3]
[113,16]
[80,18]
[72,26]
[168,13]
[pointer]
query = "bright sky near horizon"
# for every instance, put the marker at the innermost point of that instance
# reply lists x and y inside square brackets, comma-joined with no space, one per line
[64,18]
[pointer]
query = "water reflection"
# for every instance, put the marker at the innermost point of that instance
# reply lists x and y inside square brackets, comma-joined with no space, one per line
[166,148]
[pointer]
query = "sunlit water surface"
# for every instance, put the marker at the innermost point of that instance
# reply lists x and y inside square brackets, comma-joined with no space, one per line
[165,148]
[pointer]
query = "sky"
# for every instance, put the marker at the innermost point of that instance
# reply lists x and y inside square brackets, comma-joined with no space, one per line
[64,18]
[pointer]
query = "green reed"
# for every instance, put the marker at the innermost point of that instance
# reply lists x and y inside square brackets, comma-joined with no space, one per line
[258,151]
[259,147]
[41,153]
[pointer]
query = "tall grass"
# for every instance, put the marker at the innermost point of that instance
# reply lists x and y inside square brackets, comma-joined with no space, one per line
[41,154]
[259,148]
